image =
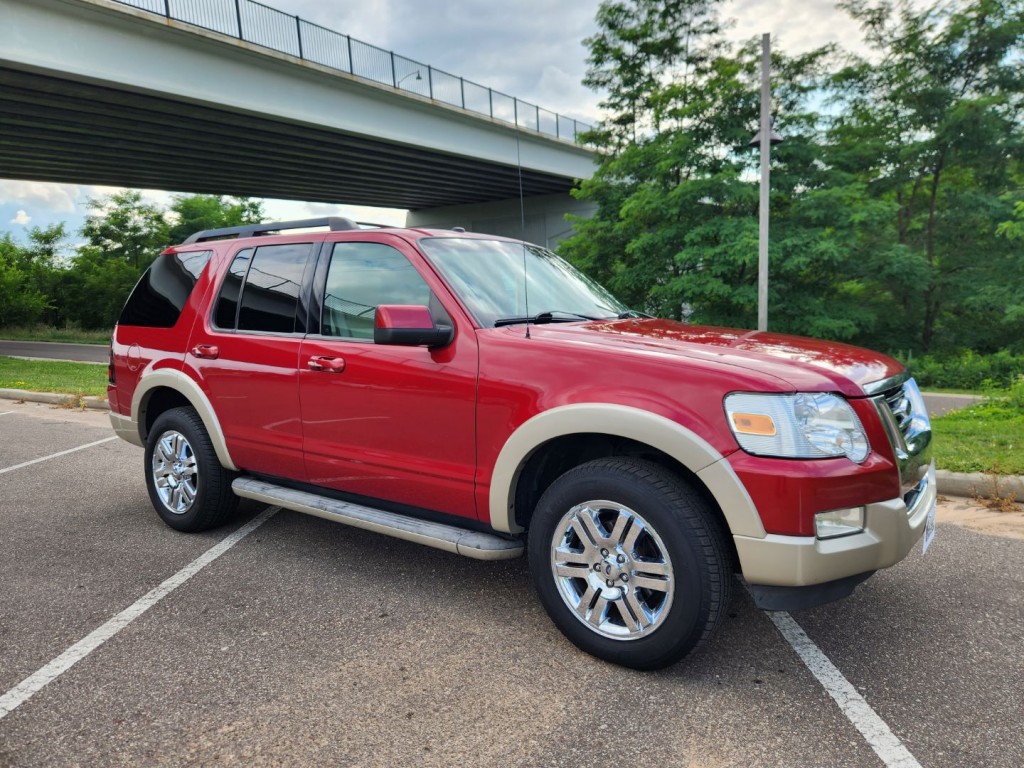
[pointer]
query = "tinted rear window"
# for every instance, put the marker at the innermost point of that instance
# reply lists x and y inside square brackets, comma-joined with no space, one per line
[162,292]
[227,302]
[271,291]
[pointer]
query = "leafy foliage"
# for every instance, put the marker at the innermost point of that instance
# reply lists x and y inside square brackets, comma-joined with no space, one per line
[45,281]
[968,370]
[892,218]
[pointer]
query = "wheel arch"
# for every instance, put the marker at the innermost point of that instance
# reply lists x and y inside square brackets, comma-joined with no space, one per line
[676,446]
[167,388]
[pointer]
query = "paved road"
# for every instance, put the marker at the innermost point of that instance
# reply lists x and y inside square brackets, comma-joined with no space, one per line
[308,642]
[940,404]
[52,350]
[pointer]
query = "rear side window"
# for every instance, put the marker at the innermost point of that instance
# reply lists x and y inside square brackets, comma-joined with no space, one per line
[162,292]
[226,313]
[261,290]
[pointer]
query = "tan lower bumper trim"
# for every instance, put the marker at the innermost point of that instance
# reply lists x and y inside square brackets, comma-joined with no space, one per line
[797,561]
[126,428]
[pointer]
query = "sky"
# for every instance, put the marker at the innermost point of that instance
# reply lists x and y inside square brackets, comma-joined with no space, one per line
[531,49]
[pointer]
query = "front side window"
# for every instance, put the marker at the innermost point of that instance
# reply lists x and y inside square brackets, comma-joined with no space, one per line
[161,294]
[361,277]
[503,281]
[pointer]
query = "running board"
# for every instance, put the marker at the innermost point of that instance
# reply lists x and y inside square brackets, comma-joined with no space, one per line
[475,544]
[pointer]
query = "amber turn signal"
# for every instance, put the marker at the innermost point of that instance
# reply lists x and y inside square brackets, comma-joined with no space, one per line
[753,424]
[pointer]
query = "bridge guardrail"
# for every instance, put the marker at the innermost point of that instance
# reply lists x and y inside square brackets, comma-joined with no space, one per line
[259,24]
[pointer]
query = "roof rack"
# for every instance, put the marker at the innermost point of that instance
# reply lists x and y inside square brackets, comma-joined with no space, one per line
[375,225]
[336,223]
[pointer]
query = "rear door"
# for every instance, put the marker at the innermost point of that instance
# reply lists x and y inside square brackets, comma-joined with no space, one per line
[246,354]
[387,422]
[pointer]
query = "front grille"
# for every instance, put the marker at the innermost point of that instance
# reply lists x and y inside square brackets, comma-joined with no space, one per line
[905,417]
[901,407]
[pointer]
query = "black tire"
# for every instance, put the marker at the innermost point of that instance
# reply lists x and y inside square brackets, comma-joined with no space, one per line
[194,492]
[679,546]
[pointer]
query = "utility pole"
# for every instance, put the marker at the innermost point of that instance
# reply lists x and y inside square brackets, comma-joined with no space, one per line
[766,142]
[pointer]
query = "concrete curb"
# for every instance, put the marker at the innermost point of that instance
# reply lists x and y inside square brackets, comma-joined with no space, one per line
[966,484]
[52,398]
[971,484]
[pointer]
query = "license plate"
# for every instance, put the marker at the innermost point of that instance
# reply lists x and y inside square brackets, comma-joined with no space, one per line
[929,528]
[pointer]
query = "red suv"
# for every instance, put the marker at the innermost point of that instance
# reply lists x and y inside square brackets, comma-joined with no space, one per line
[479,395]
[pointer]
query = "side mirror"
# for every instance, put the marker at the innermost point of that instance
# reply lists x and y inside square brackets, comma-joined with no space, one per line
[409,326]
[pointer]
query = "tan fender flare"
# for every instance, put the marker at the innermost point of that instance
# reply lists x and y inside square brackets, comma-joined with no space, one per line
[190,390]
[669,437]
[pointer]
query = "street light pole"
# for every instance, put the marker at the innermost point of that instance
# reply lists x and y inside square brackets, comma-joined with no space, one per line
[766,136]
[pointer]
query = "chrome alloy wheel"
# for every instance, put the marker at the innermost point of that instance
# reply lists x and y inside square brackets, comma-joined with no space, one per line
[612,569]
[175,473]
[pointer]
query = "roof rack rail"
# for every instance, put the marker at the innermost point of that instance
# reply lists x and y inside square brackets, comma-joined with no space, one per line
[336,223]
[375,225]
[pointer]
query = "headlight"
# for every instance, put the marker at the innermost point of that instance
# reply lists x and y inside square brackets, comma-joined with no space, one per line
[802,426]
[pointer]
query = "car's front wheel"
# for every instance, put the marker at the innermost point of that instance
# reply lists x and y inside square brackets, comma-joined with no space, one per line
[629,562]
[189,488]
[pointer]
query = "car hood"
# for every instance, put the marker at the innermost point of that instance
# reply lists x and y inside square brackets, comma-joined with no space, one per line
[804,364]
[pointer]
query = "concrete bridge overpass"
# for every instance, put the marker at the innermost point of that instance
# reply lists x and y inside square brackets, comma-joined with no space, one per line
[98,92]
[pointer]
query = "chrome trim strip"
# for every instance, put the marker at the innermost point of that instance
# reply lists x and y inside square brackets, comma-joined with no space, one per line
[877,387]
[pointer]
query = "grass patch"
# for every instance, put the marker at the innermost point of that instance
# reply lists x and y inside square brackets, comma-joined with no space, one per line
[988,437]
[53,376]
[50,333]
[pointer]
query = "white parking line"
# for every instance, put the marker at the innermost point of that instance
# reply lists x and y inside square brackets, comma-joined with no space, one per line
[32,684]
[5,413]
[872,727]
[55,455]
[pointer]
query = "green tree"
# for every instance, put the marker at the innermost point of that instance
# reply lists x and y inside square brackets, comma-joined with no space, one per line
[126,228]
[125,234]
[934,129]
[21,303]
[193,213]
[1013,229]
[97,287]
[46,260]
[675,231]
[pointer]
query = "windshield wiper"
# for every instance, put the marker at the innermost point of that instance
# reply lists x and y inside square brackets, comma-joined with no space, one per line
[545,317]
[632,313]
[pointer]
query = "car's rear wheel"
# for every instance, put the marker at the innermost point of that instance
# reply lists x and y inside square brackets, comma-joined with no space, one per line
[189,488]
[629,562]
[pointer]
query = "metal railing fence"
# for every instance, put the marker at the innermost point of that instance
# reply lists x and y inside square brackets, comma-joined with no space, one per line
[259,24]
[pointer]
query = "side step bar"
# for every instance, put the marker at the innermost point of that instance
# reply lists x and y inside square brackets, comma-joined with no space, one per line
[475,544]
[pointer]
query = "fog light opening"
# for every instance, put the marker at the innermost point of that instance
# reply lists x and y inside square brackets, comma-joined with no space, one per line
[839,522]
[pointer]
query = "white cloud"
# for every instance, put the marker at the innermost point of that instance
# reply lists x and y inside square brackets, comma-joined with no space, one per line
[283,210]
[796,26]
[59,198]
[21,218]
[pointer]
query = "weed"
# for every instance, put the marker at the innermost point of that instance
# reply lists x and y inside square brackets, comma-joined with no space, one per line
[994,496]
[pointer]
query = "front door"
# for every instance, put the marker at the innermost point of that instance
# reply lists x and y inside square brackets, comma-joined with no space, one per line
[387,422]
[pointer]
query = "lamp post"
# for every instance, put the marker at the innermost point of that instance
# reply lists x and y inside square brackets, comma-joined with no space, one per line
[406,77]
[764,138]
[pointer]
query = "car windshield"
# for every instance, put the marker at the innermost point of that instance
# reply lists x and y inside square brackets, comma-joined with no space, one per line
[496,279]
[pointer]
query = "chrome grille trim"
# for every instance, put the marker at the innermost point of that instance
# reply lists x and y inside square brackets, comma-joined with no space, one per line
[884,385]
[901,407]
[905,419]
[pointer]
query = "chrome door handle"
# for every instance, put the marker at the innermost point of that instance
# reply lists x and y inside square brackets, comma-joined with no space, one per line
[206,351]
[326,364]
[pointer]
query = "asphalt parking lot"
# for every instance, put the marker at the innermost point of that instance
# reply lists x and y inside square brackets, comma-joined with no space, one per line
[310,643]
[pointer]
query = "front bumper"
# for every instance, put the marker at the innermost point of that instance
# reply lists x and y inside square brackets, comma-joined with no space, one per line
[891,531]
